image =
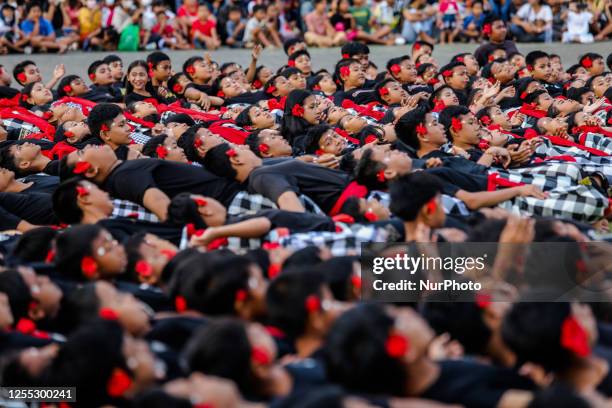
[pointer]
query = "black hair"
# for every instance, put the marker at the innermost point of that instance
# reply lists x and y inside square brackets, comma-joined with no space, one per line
[379,86]
[533,56]
[366,172]
[558,395]
[102,114]
[353,48]
[355,348]
[91,70]
[293,126]
[25,93]
[411,192]
[296,54]
[217,161]
[448,114]
[338,272]
[80,306]
[609,61]
[156,57]
[65,81]
[180,118]
[307,256]
[20,68]
[187,143]
[188,63]
[174,80]
[396,60]
[128,86]
[71,246]
[244,118]
[34,245]
[342,63]
[150,148]
[183,210]
[405,127]
[7,160]
[590,55]
[253,142]
[65,204]
[311,141]
[109,59]
[17,291]
[286,298]
[370,130]
[290,42]
[450,66]
[259,7]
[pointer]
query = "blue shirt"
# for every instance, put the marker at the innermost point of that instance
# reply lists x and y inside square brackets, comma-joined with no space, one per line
[45,28]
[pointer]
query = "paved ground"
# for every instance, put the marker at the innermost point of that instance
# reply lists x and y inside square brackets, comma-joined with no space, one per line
[322,58]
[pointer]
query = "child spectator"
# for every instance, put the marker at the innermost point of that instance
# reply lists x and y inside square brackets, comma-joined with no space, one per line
[320,32]
[90,24]
[386,19]
[11,37]
[448,20]
[234,27]
[204,31]
[167,36]
[578,19]
[418,21]
[533,22]
[343,21]
[40,31]
[187,14]
[257,32]
[472,23]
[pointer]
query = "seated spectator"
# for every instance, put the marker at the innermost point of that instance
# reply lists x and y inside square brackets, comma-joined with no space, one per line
[448,21]
[204,31]
[473,22]
[578,18]
[386,18]
[40,31]
[496,31]
[533,22]
[320,32]
[11,37]
[167,36]
[418,21]
[234,27]
[257,32]
[90,25]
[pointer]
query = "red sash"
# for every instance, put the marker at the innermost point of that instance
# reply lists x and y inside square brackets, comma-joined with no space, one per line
[352,190]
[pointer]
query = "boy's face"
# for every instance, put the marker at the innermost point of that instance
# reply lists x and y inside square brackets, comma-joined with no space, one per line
[459,79]
[32,74]
[477,9]
[470,129]
[277,144]
[34,13]
[119,132]
[203,12]
[163,70]
[542,69]
[103,75]
[116,69]
[260,15]
[234,15]
[498,31]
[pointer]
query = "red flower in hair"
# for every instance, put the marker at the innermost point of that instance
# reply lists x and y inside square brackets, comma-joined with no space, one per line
[421,129]
[50,256]
[260,356]
[221,94]
[25,326]
[460,59]
[370,139]
[486,29]
[438,105]
[107,313]
[574,338]
[523,95]
[432,206]
[118,383]
[81,167]
[21,77]
[529,67]
[345,71]
[482,300]
[587,62]
[383,91]
[346,56]
[273,270]
[345,218]
[370,216]
[447,73]
[180,304]
[89,266]
[433,81]
[143,268]
[456,124]
[416,46]
[241,295]
[297,110]
[263,148]
[312,303]
[271,89]
[319,152]
[485,120]
[268,246]
[92,76]
[396,346]
[380,176]
[197,143]
[104,127]
[257,84]
[67,88]
[231,153]
[177,88]
[81,191]
[168,253]
[356,281]
[491,58]
[200,202]
[161,151]
[24,97]
[190,70]
[316,87]
[483,144]
[291,63]
[395,68]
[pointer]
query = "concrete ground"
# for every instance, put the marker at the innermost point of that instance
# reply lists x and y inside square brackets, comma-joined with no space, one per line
[77,63]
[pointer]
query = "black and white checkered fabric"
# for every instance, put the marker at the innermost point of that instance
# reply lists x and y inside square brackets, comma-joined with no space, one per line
[597,141]
[139,137]
[580,203]
[19,128]
[249,204]
[124,208]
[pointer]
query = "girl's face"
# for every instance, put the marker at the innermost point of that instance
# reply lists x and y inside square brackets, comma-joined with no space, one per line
[152,250]
[109,255]
[311,112]
[371,72]
[40,95]
[335,113]
[203,71]
[175,153]
[583,118]
[518,61]
[552,125]
[264,75]
[449,97]
[298,81]
[231,87]
[138,78]
[599,85]
[353,124]
[283,86]
[327,84]
[131,311]
[213,213]
[262,119]
[331,142]
[303,64]
[587,98]
[143,109]
[78,87]
[79,130]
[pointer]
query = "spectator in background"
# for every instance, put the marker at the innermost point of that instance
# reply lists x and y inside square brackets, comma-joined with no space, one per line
[578,19]
[472,23]
[11,37]
[257,32]
[605,19]
[448,20]
[125,14]
[40,31]
[342,20]
[502,8]
[273,23]
[386,19]
[187,14]
[495,30]
[319,31]
[234,27]
[418,21]
[167,35]
[533,22]
[204,30]
[90,25]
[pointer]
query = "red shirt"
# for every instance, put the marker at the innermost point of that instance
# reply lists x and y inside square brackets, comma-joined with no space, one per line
[203,27]
[184,11]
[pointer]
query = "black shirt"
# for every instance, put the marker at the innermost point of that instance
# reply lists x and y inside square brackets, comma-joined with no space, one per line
[35,208]
[321,184]
[41,183]
[360,96]
[103,94]
[248,97]
[456,162]
[129,181]
[455,180]
[295,222]
[482,53]
[52,168]
[123,228]
[474,385]
[134,97]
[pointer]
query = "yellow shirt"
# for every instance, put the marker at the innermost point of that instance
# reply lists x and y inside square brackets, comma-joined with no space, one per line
[89,20]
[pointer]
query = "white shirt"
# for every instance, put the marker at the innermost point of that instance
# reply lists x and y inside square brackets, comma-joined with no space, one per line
[527,13]
[578,23]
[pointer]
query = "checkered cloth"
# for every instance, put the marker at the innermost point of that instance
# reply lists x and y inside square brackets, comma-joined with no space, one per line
[597,141]
[346,242]
[452,205]
[547,177]
[124,208]
[18,129]
[249,204]
[139,137]
[580,203]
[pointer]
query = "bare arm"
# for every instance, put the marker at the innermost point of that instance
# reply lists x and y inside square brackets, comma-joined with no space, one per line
[157,202]
[480,199]
[289,201]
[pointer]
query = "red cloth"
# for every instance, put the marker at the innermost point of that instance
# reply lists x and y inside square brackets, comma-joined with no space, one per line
[352,190]
[203,27]
[86,105]
[529,110]
[25,115]
[494,181]
[229,131]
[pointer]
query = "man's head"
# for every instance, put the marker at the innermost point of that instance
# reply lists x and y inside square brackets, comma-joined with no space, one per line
[268,143]
[390,92]
[159,66]
[455,75]
[26,72]
[402,69]
[358,51]
[378,166]
[107,122]
[593,63]
[92,162]
[292,45]
[71,85]
[99,73]
[495,28]
[75,197]
[235,162]
[21,158]
[539,65]
[417,197]
[461,125]
[115,65]
[417,127]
